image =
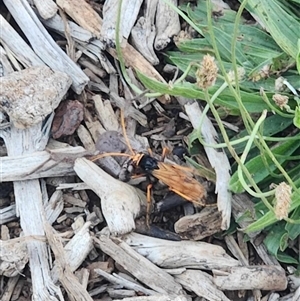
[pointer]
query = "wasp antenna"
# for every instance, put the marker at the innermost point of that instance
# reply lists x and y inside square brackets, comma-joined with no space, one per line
[94,158]
[125,134]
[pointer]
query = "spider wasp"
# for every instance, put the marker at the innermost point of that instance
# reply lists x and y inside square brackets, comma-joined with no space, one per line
[179,179]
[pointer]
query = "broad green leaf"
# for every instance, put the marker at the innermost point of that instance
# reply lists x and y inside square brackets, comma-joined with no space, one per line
[182,61]
[198,15]
[252,101]
[223,41]
[298,57]
[293,229]
[283,257]
[272,125]
[276,239]
[257,168]
[282,26]
[296,119]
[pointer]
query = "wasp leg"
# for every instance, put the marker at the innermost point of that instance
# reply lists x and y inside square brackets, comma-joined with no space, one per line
[138,176]
[148,204]
[165,152]
[150,152]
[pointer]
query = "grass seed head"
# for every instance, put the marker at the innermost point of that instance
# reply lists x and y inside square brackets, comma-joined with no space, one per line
[282,200]
[280,100]
[207,73]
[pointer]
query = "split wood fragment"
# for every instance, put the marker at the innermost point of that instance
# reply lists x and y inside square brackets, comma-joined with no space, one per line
[130,10]
[73,287]
[42,164]
[269,278]
[32,135]
[217,159]
[24,54]
[42,43]
[167,24]
[175,254]
[46,8]
[7,214]
[199,225]
[156,298]
[120,202]
[83,14]
[116,279]
[201,284]
[139,266]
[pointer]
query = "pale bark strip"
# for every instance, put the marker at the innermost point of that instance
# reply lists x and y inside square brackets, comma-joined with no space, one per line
[43,164]
[140,267]
[217,159]
[32,135]
[120,202]
[43,44]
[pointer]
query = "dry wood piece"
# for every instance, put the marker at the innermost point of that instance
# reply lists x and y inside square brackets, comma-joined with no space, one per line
[47,8]
[143,33]
[15,44]
[201,284]
[138,266]
[155,298]
[27,97]
[43,44]
[106,113]
[7,214]
[167,24]
[174,254]
[131,56]
[76,32]
[70,282]
[116,279]
[269,278]
[135,60]
[217,159]
[200,225]
[32,135]
[83,14]
[13,257]
[9,291]
[120,202]
[41,164]
[4,61]
[130,10]
[54,207]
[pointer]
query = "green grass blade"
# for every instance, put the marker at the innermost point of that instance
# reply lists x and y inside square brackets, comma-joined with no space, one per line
[257,168]
[282,26]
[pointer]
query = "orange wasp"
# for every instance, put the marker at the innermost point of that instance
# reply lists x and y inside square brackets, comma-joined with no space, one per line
[179,179]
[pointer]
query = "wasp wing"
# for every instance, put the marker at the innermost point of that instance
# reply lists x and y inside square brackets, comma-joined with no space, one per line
[181,182]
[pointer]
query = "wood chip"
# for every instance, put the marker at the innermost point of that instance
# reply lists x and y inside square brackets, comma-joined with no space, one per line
[217,159]
[46,8]
[43,44]
[83,14]
[199,225]
[269,278]
[26,97]
[139,266]
[174,254]
[120,202]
